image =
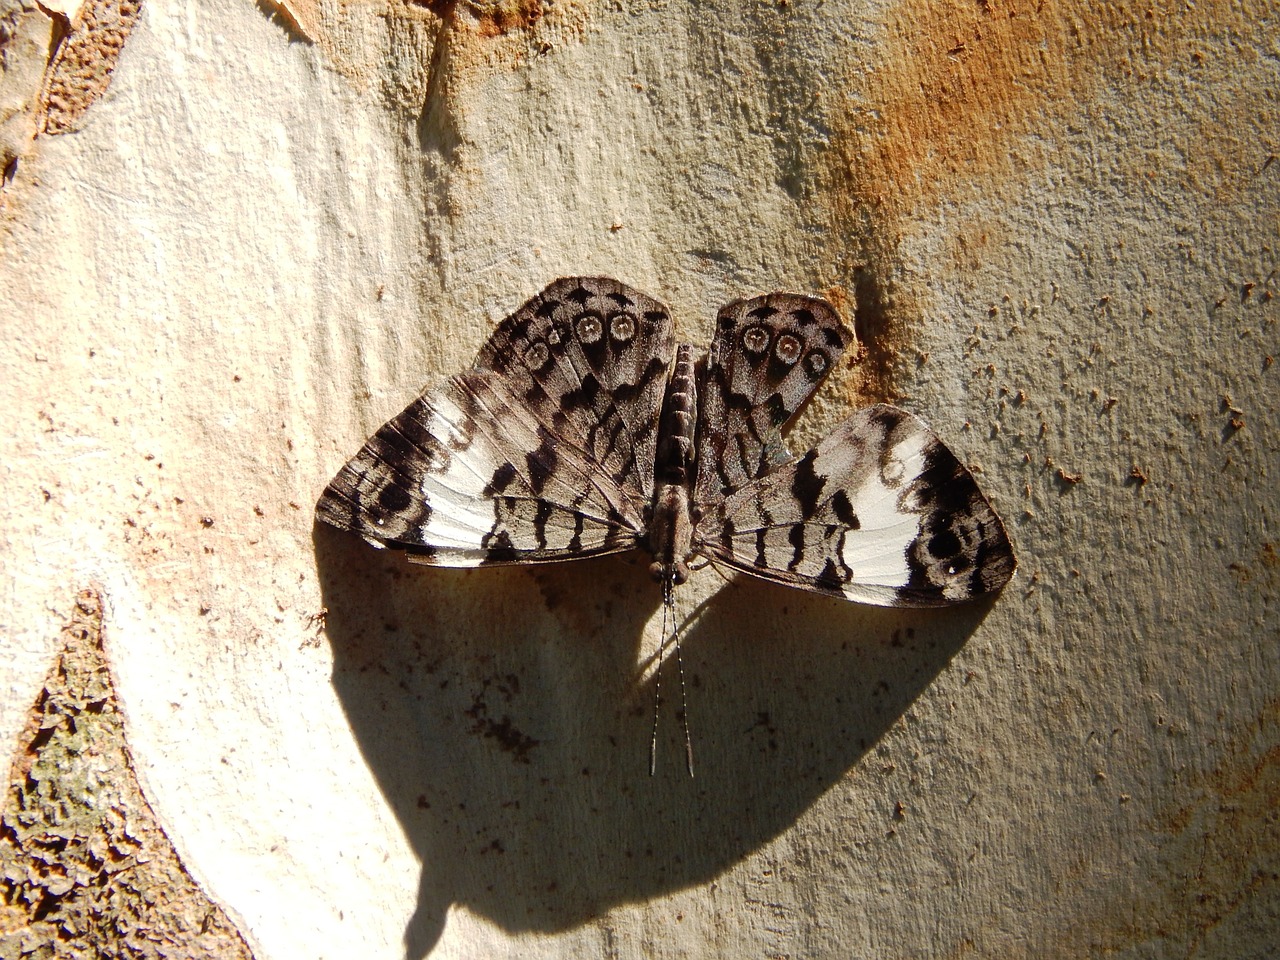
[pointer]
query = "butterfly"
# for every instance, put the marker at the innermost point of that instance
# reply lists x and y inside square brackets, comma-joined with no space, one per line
[583,429]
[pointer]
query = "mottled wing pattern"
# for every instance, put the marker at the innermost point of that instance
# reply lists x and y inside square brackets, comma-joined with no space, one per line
[591,356]
[880,512]
[543,451]
[768,356]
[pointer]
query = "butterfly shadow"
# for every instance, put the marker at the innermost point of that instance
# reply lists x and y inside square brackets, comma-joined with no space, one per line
[507,720]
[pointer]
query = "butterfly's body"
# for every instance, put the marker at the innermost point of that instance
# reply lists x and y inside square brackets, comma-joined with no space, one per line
[670,537]
[581,430]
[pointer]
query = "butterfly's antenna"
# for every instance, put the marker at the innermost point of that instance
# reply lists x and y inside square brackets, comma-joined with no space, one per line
[668,615]
[668,640]
[684,699]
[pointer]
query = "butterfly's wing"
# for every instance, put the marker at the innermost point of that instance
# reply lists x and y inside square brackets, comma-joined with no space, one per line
[880,512]
[543,451]
[768,356]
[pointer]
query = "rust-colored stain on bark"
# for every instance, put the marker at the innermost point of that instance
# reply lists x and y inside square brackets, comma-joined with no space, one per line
[961,90]
[1220,858]
[1210,889]
[967,98]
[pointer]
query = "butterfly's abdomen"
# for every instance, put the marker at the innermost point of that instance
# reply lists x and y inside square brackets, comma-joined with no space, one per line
[671,530]
[679,415]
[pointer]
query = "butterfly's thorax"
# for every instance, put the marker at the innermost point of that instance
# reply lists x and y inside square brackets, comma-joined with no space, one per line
[671,531]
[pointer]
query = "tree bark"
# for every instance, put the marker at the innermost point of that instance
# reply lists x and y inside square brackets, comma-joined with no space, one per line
[238,237]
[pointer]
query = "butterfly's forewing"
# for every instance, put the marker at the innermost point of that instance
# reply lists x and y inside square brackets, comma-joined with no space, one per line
[769,355]
[543,451]
[591,356]
[880,512]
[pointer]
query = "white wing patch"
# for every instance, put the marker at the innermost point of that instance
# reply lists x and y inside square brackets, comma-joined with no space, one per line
[877,553]
[865,515]
[441,482]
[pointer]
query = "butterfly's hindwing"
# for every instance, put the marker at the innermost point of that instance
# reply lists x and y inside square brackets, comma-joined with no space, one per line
[544,451]
[769,355]
[880,512]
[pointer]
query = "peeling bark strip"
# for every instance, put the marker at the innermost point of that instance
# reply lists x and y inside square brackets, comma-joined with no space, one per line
[493,18]
[85,871]
[81,66]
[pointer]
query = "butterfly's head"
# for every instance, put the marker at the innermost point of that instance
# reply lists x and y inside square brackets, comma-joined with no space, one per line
[677,572]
